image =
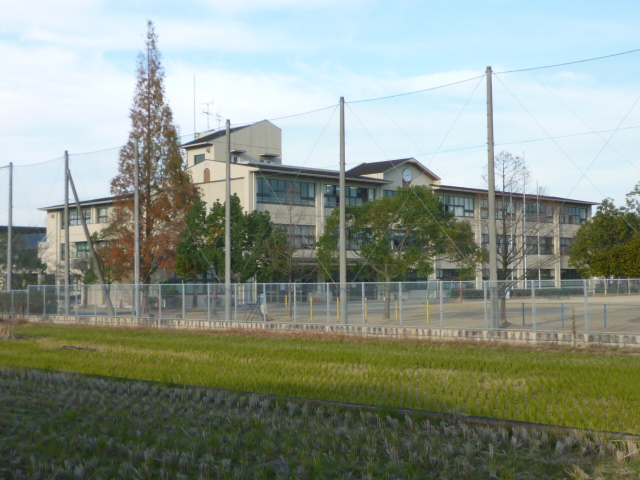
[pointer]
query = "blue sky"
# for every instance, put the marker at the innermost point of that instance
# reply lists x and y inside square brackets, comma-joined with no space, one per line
[67,76]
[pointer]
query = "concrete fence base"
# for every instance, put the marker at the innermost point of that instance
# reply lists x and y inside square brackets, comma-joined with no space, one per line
[515,337]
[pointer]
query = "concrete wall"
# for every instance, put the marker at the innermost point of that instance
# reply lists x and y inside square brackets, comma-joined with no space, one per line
[513,337]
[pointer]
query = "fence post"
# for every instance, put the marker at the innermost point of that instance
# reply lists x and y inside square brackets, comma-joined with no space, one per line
[44,301]
[586,307]
[486,305]
[28,304]
[400,300]
[605,315]
[159,302]
[441,305]
[328,304]
[184,311]
[209,302]
[562,312]
[533,305]
[364,316]
[115,307]
[295,304]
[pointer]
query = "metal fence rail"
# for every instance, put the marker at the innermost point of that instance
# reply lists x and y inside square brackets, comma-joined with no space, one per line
[572,306]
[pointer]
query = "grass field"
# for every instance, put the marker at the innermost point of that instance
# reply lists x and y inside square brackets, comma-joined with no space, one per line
[113,424]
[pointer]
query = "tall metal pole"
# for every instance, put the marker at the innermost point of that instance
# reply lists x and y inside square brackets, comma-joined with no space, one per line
[343,222]
[493,249]
[227,229]
[136,233]
[67,260]
[10,232]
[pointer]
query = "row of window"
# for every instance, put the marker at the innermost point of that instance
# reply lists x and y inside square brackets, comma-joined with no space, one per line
[78,250]
[300,236]
[101,215]
[534,212]
[453,274]
[535,245]
[286,192]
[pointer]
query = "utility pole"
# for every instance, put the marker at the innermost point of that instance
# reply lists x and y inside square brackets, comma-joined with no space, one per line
[10,232]
[227,229]
[136,234]
[493,249]
[92,250]
[67,264]
[343,222]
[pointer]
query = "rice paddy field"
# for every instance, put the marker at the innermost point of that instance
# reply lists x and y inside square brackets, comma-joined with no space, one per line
[233,405]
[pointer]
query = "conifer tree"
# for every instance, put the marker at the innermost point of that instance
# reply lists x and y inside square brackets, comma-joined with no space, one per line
[166,191]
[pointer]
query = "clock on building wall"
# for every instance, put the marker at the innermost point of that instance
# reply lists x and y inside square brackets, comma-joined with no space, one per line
[406,175]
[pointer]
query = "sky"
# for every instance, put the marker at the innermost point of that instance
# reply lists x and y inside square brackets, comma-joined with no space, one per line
[67,77]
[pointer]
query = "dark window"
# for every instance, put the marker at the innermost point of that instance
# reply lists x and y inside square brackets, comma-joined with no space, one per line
[353,195]
[459,206]
[573,215]
[541,245]
[565,245]
[74,218]
[285,192]
[300,236]
[82,249]
[198,158]
[389,193]
[103,214]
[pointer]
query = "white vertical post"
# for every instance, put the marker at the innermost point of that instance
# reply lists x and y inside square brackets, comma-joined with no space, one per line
[441,303]
[136,233]
[227,228]
[328,303]
[67,265]
[184,303]
[208,301]
[159,302]
[533,305]
[400,300]
[10,232]
[493,249]
[343,222]
[362,306]
[586,306]
[295,304]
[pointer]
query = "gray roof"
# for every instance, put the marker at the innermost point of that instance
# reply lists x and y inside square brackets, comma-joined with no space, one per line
[386,165]
[210,137]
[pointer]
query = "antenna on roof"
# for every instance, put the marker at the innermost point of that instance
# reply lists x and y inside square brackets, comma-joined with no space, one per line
[216,116]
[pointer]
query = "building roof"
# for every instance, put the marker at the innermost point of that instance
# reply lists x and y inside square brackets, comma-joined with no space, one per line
[95,201]
[275,169]
[209,137]
[476,191]
[386,165]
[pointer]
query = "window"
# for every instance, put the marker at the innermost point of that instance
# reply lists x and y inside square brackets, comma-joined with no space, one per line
[286,192]
[389,193]
[451,274]
[82,249]
[62,251]
[103,214]
[353,195]
[503,209]
[74,218]
[569,274]
[545,274]
[300,236]
[573,215]
[565,245]
[505,243]
[538,212]
[206,175]
[544,246]
[459,206]
[198,158]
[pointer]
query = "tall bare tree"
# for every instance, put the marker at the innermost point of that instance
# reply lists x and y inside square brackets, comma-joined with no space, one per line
[166,191]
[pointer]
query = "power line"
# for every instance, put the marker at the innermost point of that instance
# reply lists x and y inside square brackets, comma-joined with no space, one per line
[569,63]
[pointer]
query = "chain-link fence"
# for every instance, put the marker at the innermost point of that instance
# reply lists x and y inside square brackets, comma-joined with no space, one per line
[573,306]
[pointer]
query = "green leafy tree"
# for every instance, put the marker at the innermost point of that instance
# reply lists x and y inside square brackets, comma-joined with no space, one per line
[609,244]
[255,244]
[393,235]
[166,191]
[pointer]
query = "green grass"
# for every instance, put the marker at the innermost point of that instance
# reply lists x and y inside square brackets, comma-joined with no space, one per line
[593,389]
[66,426]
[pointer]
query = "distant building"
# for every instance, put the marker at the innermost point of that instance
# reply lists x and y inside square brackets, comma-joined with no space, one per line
[25,243]
[301,198]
